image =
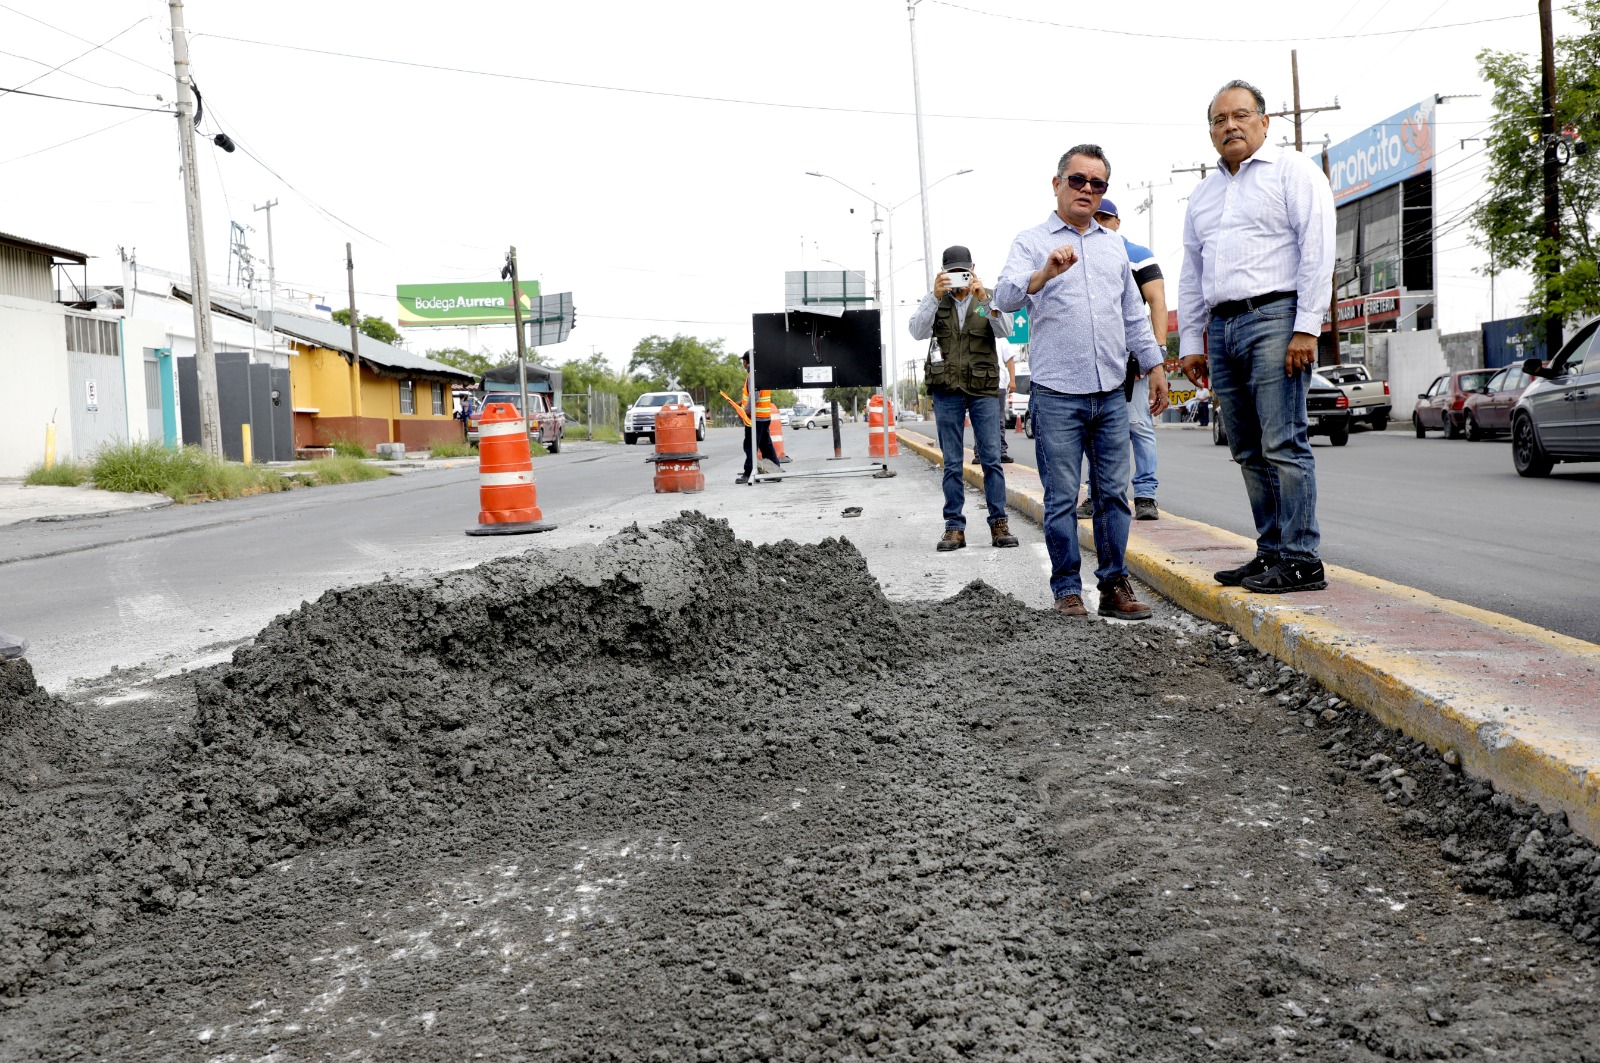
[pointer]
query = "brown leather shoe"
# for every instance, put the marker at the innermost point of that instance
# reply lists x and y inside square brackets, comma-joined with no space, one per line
[954,539]
[1117,601]
[1000,533]
[1071,605]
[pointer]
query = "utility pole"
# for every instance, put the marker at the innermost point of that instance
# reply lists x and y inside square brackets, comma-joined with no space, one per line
[509,272]
[355,341]
[1552,202]
[1299,112]
[1202,170]
[205,356]
[1149,207]
[272,277]
[922,157]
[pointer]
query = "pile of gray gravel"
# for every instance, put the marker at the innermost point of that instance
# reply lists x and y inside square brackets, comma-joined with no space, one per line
[677,796]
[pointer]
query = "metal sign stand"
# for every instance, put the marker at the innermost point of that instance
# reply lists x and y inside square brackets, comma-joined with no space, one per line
[878,470]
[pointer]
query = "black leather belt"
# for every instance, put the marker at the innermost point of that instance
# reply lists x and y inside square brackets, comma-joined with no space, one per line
[1235,307]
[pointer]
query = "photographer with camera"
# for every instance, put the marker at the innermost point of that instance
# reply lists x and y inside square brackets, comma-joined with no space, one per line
[965,378]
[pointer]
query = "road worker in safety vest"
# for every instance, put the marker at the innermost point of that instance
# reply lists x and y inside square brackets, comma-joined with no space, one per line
[762,435]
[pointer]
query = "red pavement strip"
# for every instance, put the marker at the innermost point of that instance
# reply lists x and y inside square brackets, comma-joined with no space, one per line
[1519,705]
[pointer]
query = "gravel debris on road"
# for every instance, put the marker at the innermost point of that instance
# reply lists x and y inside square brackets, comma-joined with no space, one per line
[680,797]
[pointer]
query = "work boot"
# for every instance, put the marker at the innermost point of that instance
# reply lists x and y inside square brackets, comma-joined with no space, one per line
[1000,532]
[1086,507]
[1117,601]
[1145,509]
[742,478]
[954,539]
[1071,605]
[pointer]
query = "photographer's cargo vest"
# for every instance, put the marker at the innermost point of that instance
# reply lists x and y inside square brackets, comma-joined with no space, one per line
[970,365]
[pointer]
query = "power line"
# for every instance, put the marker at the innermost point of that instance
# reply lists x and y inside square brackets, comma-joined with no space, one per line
[74,140]
[80,77]
[681,95]
[1222,40]
[110,51]
[80,55]
[93,103]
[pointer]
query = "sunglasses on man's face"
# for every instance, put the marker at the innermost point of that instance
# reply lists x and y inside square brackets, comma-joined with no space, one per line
[1078,183]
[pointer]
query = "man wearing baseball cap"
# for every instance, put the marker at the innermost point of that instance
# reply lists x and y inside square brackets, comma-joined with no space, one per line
[1141,426]
[964,374]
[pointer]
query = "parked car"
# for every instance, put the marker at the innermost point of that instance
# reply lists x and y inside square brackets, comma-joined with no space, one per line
[1558,416]
[1487,411]
[1369,398]
[785,415]
[1017,401]
[1439,409]
[821,417]
[1327,413]
[549,427]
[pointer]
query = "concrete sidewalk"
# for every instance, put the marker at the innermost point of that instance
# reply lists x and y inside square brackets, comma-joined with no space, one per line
[19,502]
[1518,704]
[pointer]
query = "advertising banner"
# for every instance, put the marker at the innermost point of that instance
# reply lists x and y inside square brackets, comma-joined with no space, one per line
[1386,154]
[452,305]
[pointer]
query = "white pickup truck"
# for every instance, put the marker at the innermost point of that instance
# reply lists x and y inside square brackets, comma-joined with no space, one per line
[1369,398]
[640,418]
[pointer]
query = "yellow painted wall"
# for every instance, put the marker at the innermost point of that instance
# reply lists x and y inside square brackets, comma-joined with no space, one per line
[320,379]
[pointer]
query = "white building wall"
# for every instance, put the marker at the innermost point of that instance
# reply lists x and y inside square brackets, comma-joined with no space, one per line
[33,366]
[1415,358]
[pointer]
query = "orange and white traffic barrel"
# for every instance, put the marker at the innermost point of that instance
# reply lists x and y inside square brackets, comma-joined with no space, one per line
[677,462]
[875,432]
[507,496]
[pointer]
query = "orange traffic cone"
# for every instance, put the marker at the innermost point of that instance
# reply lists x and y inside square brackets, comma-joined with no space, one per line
[506,490]
[776,424]
[677,462]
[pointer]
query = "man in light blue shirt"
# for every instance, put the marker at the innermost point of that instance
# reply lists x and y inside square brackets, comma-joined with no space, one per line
[1087,315]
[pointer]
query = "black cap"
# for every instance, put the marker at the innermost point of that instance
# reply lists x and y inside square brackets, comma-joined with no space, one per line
[957,257]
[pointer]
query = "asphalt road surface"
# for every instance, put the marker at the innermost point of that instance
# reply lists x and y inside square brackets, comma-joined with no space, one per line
[1445,516]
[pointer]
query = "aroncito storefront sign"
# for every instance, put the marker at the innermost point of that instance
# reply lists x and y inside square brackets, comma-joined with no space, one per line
[474,303]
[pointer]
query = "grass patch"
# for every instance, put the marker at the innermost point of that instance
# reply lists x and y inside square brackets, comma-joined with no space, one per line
[61,474]
[179,474]
[607,433]
[537,449]
[342,470]
[452,450]
[349,448]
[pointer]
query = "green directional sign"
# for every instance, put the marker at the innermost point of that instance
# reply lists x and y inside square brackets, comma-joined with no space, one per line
[473,303]
[1019,326]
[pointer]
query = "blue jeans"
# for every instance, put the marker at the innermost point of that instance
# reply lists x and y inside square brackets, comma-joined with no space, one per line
[950,412]
[1263,412]
[1065,428]
[1143,429]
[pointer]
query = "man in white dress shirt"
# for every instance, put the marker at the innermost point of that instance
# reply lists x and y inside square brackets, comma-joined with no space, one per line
[1258,255]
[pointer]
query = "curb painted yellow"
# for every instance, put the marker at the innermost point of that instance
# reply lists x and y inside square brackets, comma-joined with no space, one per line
[1527,749]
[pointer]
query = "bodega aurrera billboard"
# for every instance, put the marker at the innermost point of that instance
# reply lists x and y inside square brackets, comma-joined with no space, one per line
[471,303]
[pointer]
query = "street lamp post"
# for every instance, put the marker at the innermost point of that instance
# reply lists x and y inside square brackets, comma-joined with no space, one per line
[887,222]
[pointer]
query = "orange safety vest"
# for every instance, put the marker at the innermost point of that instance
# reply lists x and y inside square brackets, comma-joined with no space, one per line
[765,410]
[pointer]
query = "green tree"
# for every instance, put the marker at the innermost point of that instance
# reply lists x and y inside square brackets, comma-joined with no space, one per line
[376,327]
[1510,219]
[477,364]
[686,362]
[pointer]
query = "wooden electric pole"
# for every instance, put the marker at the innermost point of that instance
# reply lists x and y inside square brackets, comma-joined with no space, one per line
[205,357]
[355,341]
[1550,260]
[1299,112]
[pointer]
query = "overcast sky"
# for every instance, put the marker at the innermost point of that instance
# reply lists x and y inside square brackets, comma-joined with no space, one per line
[651,158]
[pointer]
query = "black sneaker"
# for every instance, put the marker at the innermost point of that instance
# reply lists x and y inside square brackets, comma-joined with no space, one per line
[1233,577]
[1146,509]
[1086,509]
[1007,459]
[1287,576]
[742,478]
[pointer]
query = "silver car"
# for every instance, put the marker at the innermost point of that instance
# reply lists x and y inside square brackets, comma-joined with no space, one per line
[1558,416]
